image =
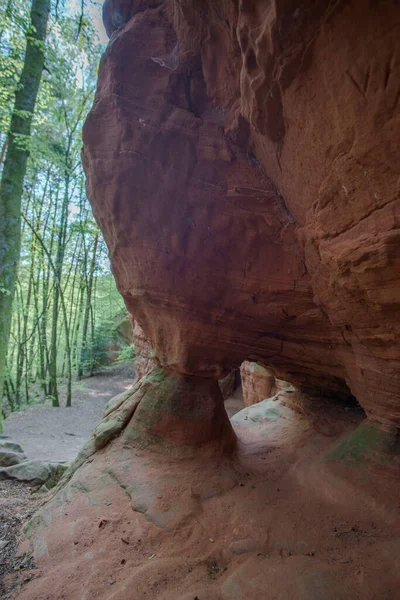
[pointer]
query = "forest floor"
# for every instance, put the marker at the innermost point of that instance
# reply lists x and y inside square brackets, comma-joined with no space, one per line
[57,434]
[17,504]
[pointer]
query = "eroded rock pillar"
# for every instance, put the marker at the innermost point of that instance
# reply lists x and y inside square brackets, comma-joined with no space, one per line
[177,412]
[258,382]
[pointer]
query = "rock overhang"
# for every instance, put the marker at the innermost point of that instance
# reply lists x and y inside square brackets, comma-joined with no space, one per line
[235,237]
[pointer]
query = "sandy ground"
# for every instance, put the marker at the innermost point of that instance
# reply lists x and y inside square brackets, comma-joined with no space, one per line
[57,434]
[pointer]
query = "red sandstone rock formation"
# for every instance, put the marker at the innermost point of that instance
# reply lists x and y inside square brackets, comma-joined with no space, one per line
[144,355]
[258,383]
[242,162]
[145,360]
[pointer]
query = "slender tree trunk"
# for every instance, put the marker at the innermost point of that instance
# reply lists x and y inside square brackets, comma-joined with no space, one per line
[46,295]
[76,327]
[64,311]
[14,169]
[57,291]
[92,327]
[3,151]
[88,308]
[16,387]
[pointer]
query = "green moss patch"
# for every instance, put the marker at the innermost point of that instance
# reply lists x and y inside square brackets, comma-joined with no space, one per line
[369,438]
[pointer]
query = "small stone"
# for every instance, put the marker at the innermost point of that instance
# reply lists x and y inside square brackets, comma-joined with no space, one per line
[112,581]
[3,544]
[7,445]
[244,546]
[35,471]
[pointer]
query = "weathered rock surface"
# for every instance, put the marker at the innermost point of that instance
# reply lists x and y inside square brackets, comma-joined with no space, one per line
[144,354]
[258,383]
[145,360]
[242,162]
[227,385]
[177,412]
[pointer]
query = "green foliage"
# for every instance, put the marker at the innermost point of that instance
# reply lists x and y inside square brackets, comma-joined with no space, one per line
[14,22]
[106,347]
[126,354]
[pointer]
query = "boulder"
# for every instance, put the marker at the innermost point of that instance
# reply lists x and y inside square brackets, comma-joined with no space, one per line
[242,163]
[9,458]
[36,472]
[7,445]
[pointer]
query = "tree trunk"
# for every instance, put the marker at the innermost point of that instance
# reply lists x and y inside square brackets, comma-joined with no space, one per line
[87,310]
[57,290]
[14,169]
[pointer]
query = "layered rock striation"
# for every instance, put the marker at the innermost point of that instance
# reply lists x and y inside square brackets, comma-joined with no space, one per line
[242,163]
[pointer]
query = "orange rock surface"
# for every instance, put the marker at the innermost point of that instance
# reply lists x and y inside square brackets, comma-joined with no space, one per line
[144,355]
[242,163]
[258,383]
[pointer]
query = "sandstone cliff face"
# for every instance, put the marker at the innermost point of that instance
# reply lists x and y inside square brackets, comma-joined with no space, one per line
[242,162]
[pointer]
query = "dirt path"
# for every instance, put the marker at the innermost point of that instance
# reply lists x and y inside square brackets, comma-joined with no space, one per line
[57,434]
